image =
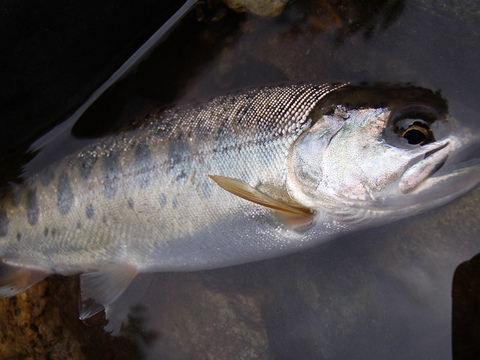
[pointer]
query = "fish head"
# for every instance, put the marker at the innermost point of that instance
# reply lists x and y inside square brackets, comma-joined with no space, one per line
[372,164]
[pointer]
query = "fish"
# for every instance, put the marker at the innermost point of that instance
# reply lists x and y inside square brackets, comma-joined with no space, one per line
[238,178]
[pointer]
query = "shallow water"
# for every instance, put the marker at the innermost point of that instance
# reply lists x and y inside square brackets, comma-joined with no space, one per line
[380,293]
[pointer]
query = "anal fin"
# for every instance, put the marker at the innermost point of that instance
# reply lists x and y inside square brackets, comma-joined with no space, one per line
[101,287]
[15,279]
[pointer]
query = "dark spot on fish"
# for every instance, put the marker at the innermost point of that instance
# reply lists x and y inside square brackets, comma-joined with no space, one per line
[87,162]
[163,200]
[3,223]
[16,194]
[181,176]
[47,176]
[223,129]
[90,211]
[245,177]
[72,163]
[33,212]
[130,202]
[104,219]
[177,151]
[79,225]
[45,232]
[143,163]
[54,232]
[161,130]
[19,236]
[111,173]
[175,203]
[206,189]
[64,194]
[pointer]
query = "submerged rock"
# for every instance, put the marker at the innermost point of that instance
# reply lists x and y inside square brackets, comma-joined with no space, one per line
[264,8]
[196,319]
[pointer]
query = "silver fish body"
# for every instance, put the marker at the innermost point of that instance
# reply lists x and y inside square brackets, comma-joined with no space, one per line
[293,172]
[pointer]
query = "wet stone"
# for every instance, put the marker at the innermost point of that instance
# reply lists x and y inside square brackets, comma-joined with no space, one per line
[143,163]
[3,223]
[111,173]
[90,211]
[232,317]
[33,211]
[65,194]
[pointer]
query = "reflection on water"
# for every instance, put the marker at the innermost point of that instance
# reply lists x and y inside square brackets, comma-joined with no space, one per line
[381,293]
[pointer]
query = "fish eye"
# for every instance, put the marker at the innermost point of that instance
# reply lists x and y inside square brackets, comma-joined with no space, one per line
[418,133]
[413,123]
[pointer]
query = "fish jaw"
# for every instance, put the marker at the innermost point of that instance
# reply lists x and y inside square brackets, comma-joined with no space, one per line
[446,174]
[355,176]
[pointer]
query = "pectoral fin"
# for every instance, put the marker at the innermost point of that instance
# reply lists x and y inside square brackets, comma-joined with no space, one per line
[102,287]
[14,280]
[293,215]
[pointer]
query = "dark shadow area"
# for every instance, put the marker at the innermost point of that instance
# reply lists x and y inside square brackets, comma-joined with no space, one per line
[466,310]
[159,80]
[55,54]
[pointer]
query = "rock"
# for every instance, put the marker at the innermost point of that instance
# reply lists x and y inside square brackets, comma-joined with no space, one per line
[264,8]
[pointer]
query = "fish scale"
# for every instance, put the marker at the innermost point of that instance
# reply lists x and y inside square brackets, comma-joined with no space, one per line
[239,178]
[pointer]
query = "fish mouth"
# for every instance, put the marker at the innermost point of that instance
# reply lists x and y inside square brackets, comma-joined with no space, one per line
[431,162]
[449,170]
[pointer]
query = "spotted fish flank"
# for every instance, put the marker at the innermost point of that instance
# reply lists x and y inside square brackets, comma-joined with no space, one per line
[206,189]
[178,148]
[33,211]
[64,194]
[239,178]
[162,200]
[111,174]
[143,163]
[90,211]
[131,203]
[3,223]
[87,162]
[47,176]
[16,194]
